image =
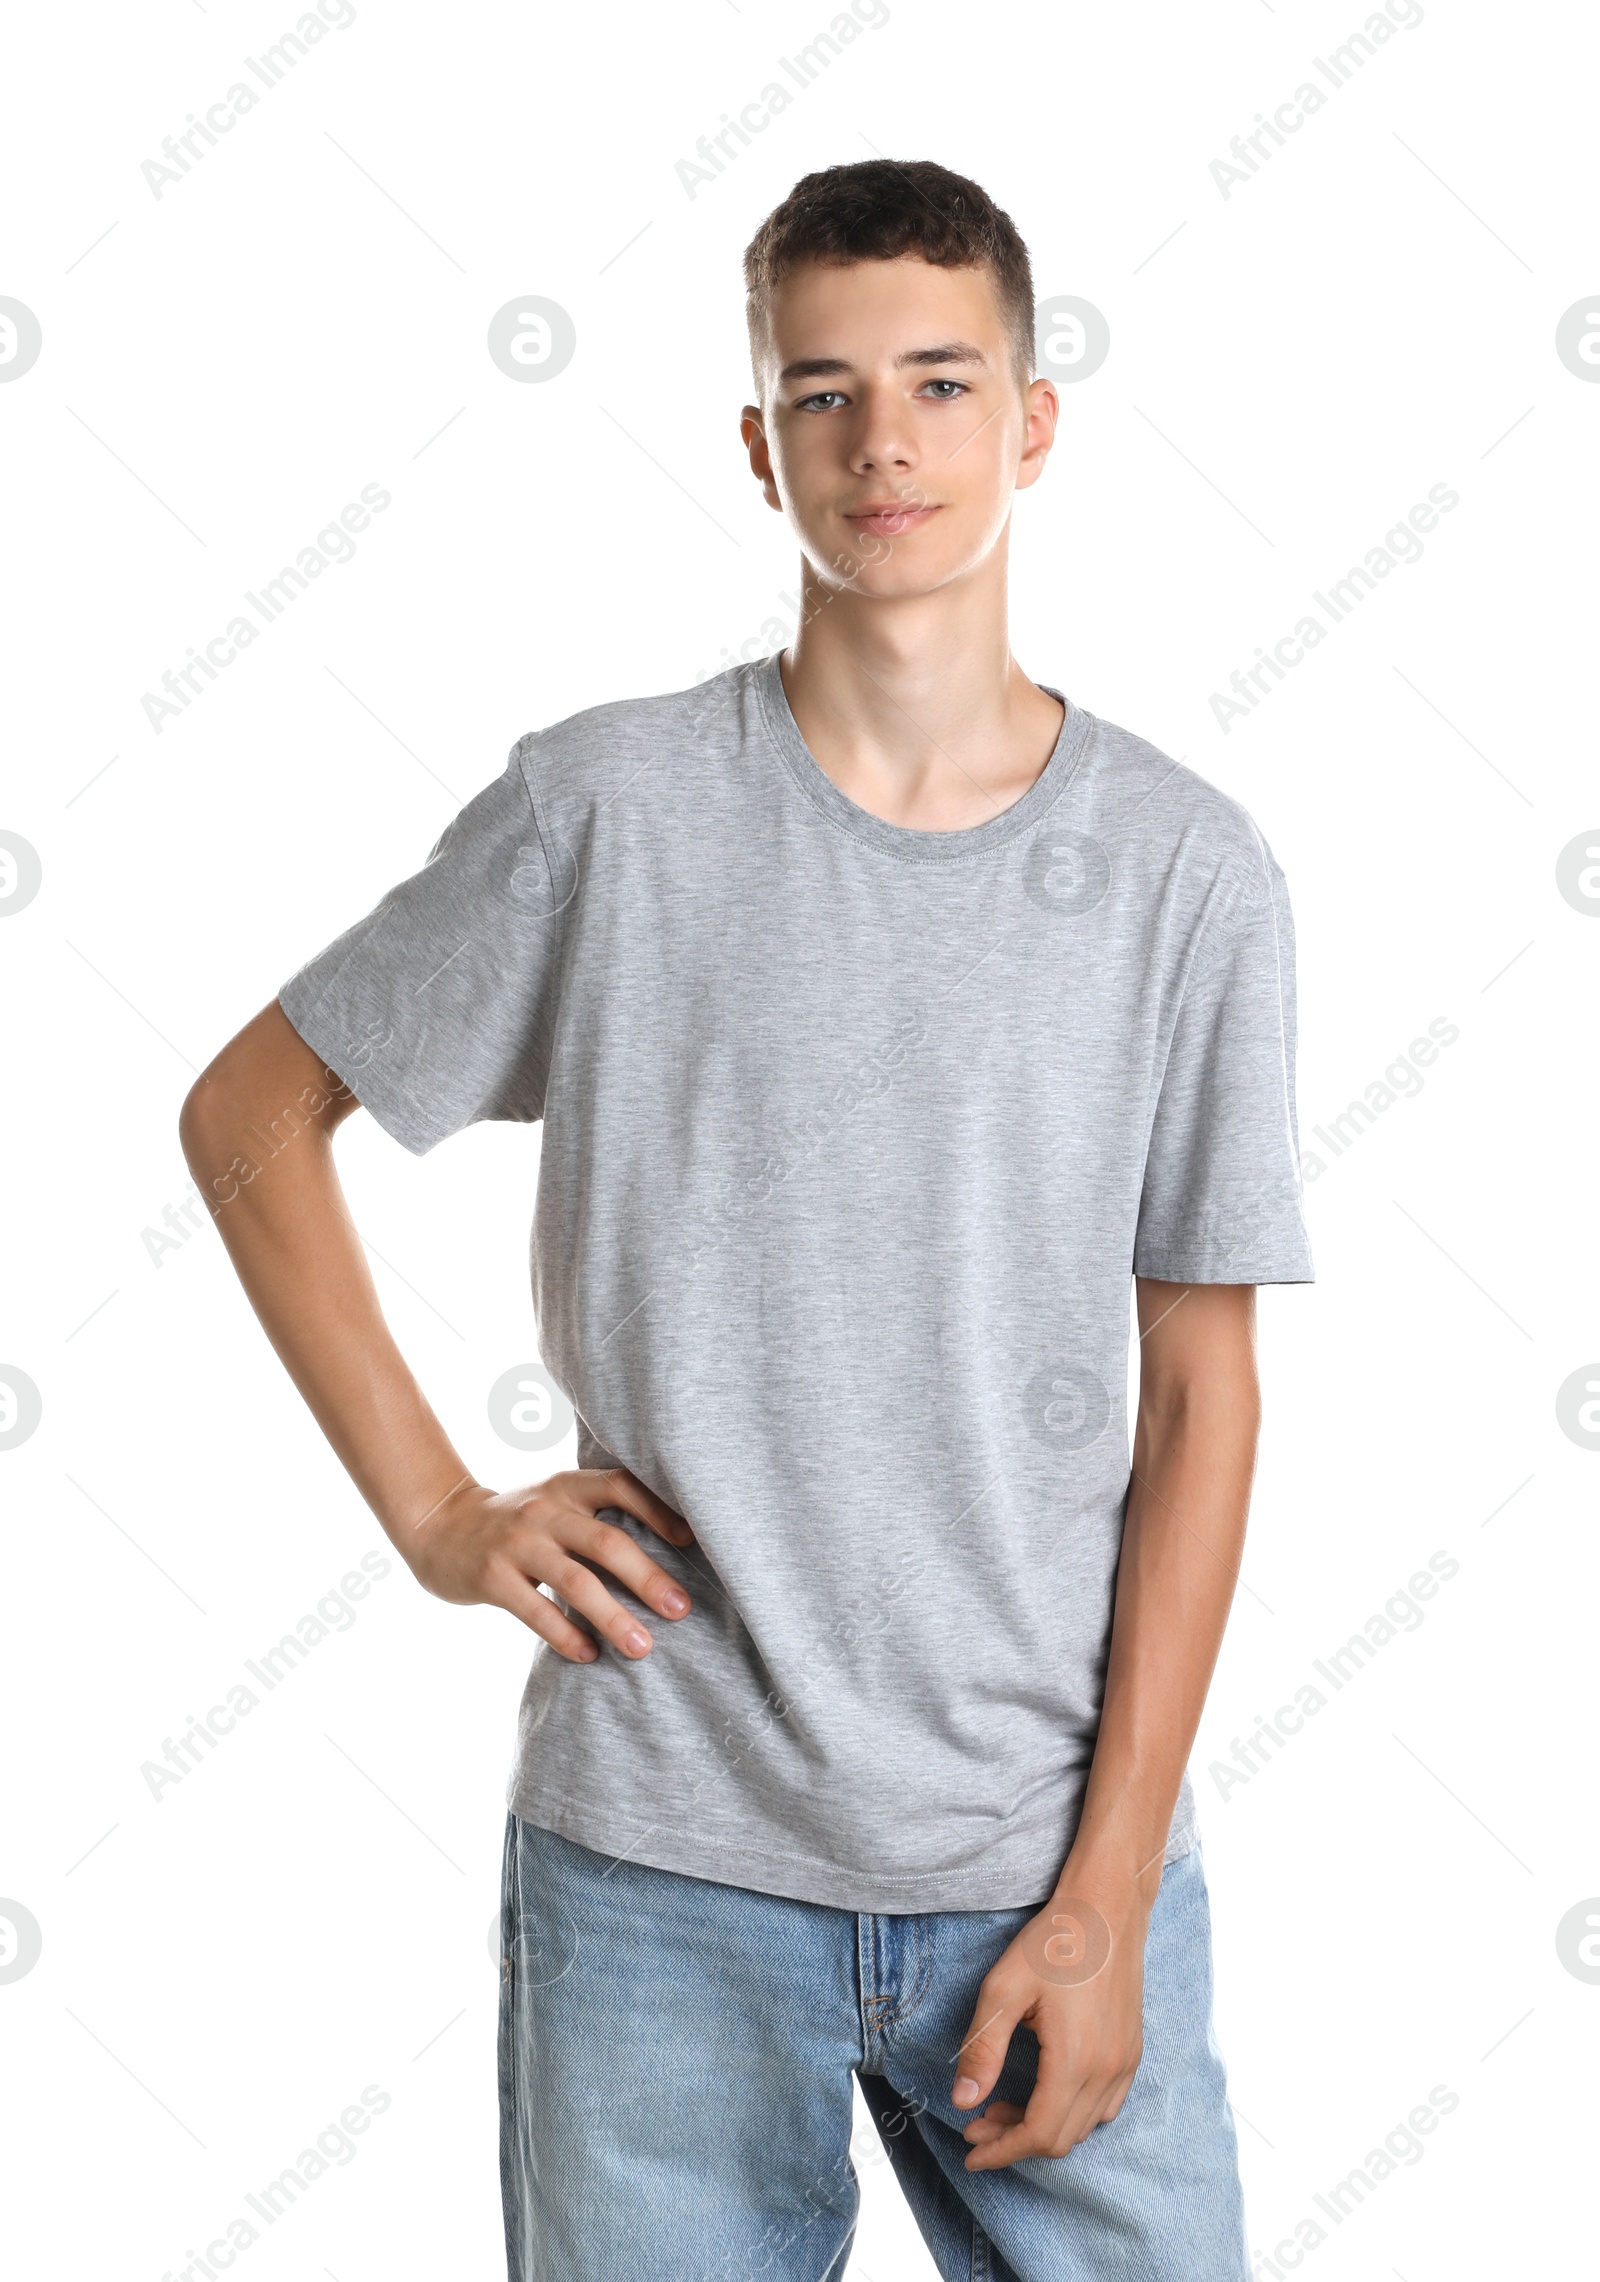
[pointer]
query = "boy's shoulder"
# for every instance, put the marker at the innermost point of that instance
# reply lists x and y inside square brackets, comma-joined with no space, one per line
[598,742]
[1130,777]
[1165,815]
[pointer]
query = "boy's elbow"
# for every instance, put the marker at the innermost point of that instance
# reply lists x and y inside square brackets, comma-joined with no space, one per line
[198,1105]
[210,1117]
[267,1077]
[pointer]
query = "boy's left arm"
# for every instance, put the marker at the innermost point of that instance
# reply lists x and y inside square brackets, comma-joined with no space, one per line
[1075,1974]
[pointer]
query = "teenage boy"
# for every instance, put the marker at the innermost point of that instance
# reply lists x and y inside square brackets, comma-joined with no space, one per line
[887,1013]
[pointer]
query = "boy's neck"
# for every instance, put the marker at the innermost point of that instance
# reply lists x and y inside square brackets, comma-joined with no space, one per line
[916,708]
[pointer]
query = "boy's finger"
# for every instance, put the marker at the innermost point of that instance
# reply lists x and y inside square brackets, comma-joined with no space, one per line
[980,2130]
[985,2045]
[615,1552]
[586,1595]
[1023,2139]
[539,1613]
[676,1532]
[1058,2103]
[614,1485]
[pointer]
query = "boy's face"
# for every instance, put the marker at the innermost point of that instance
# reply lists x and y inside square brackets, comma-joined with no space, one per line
[893,429]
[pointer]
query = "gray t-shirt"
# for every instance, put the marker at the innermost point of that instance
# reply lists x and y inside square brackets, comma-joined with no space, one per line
[853,1137]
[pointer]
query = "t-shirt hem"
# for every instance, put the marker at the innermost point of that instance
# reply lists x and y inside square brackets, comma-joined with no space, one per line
[1020,1873]
[1222,1268]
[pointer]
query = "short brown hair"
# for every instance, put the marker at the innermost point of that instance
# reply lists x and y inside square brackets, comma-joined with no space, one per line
[877,209]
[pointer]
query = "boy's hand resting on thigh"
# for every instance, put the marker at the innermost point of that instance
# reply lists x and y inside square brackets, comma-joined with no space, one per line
[500,1546]
[1075,1976]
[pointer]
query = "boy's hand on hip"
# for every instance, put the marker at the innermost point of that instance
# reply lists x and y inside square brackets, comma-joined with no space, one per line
[500,1546]
[1075,1976]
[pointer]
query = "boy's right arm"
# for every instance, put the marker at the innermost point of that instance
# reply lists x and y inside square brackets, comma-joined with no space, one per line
[257,1131]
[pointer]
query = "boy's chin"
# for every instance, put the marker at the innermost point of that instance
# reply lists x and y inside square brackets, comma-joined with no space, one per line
[896,579]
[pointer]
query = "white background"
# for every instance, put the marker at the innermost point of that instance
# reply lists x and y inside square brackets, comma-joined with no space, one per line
[223,368]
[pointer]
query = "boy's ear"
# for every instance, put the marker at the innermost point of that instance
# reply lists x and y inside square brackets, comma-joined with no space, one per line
[752,428]
[1041,411]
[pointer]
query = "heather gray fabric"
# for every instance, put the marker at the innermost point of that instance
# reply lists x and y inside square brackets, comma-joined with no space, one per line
[853,1138]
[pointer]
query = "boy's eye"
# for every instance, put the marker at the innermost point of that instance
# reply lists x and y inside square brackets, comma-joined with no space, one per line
[826,398]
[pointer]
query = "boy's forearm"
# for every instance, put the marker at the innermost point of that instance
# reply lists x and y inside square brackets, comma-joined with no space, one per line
[257,1132]
[1193,1461]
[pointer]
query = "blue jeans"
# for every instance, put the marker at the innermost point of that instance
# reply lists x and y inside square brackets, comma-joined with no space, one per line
[676,2059]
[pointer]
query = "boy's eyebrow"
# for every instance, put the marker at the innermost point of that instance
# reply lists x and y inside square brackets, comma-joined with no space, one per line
[944,352]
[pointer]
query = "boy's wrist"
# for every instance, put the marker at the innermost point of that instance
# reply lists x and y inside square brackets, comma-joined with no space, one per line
[1118,1871]
[1115,1888]
[413,1529]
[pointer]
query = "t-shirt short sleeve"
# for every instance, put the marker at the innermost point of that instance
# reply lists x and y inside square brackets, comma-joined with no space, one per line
[1221,1196]
[436,1008]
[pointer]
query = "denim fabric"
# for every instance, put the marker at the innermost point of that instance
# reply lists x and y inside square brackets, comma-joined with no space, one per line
[676,2058]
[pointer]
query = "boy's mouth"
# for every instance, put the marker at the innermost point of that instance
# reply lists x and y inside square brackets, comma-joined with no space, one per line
[890,517]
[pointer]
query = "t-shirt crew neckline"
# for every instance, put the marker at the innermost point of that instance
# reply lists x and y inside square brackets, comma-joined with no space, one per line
[904,841]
